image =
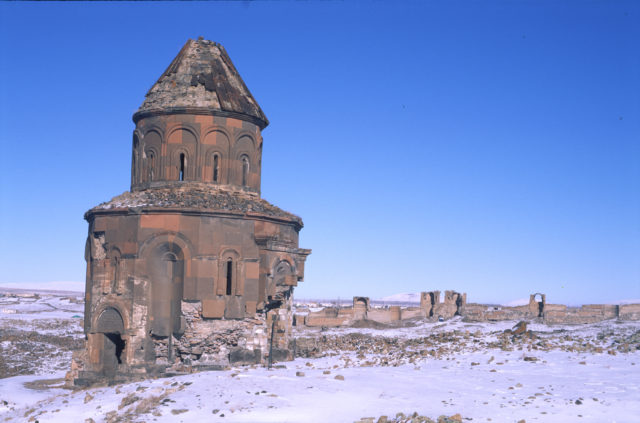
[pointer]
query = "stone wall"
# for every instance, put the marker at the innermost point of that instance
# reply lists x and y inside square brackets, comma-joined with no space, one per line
[455,304]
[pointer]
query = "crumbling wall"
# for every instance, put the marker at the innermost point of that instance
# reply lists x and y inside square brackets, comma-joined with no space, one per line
[360,307]
[213,343]
[629,312]
[331,317]
[385,315]
[279,332]
[428,301]
[484,312]
[452,305]
[591,313]
[455,304]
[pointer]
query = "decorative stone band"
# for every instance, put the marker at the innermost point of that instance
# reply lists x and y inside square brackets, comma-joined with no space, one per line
[195,199]
[199,111]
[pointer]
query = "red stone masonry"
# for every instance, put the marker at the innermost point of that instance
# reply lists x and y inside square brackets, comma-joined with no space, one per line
[192,251]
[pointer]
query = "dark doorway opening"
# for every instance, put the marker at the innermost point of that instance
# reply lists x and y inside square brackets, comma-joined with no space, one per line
[119,344]
[458,305]
[539,298]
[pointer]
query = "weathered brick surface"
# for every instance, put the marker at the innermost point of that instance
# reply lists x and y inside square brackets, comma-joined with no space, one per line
[629,311]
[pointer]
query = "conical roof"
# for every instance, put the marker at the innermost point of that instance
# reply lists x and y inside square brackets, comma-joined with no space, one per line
[202,80]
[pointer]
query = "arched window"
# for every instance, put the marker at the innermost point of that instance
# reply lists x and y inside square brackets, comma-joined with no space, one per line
[229,276]
[182,167]
[151,157]
[134,161]
[216,167]
[115,272]
[245,170]
[230,273]
[282,275]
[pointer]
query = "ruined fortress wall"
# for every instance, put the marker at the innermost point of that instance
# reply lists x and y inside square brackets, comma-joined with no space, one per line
[330,317]
[455,304]
[484,312]
[578,315]
[629,311]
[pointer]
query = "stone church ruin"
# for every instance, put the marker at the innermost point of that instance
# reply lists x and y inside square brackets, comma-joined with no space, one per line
[190,269]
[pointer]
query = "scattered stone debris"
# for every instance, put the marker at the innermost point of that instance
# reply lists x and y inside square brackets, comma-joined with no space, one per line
[411,418]
[24,352]
[373,350]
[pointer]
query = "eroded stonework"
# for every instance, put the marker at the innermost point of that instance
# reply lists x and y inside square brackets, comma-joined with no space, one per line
[455,304]
[191,269]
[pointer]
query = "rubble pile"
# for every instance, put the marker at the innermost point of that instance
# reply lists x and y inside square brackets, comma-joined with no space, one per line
[211,344]
[411,418]
[365,350]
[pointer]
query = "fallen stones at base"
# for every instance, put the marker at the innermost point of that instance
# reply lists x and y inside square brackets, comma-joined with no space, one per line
[218,343]
[363,350]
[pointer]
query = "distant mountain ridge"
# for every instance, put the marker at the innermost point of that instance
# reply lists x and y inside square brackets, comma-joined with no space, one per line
[412,297]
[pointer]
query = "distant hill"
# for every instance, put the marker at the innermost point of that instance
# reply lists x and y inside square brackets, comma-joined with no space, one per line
[413,297]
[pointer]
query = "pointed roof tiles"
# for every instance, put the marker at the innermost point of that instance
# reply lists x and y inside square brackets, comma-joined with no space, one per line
[202,80]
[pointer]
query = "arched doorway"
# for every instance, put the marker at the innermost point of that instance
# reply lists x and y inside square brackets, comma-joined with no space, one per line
[167,290]
[458,304]
[432,300]
[540,299]
[167,286]
[360,307]
[111,326]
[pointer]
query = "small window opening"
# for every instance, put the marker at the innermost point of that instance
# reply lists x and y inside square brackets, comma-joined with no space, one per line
[182,166]
[229,276]
[245,170]
[152,165]
[216,167]
[119,343]
[116,271]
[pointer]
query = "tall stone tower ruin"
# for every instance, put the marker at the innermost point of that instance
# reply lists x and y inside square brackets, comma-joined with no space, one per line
[191,268]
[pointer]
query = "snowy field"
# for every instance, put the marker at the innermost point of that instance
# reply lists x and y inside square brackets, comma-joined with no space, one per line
[38,331]
[588,373]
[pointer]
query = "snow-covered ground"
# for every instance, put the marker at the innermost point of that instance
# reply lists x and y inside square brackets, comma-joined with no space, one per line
[587,373]
[38,330]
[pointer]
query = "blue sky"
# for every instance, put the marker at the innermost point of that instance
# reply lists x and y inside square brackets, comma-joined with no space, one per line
[489,147]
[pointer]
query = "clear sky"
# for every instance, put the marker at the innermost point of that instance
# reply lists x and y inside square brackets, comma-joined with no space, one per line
[491,147]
